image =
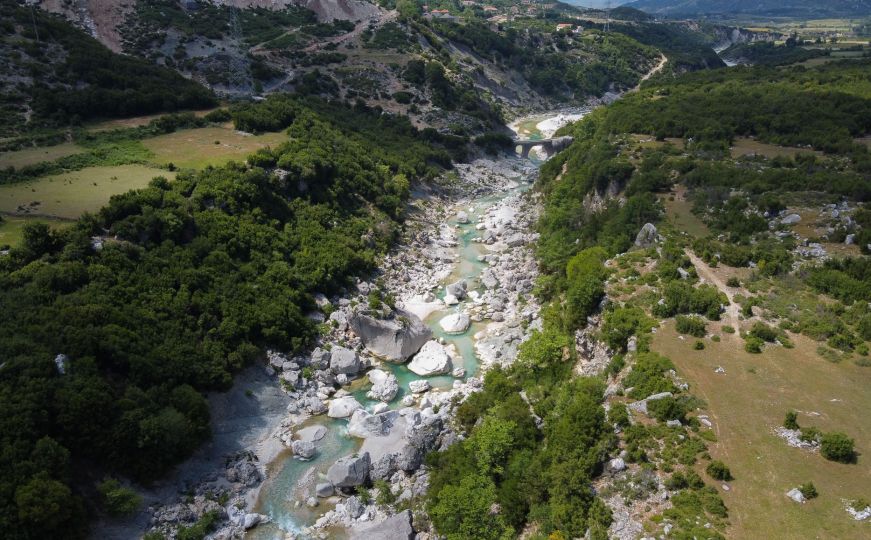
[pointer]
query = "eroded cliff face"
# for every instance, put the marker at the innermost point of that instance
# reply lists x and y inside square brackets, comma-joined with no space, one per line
[100,18]
[103,18]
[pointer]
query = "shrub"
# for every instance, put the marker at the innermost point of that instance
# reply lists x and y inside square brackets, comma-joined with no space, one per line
[693,326]
[791,420]
[764,332]
[666,409]
[753,345]
[699,346]
[618,414]
[810,434]
[117,499]
[719,471]
[837,446]
[808,490]
[728,329]
[733,282]
[385,495]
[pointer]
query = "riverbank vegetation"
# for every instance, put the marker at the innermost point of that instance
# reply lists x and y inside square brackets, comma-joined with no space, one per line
[116,326]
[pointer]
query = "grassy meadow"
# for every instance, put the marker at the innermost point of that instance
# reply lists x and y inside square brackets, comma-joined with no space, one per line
[70,194]
[748,401]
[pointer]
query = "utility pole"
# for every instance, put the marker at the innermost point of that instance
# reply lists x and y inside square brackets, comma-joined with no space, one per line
[608,17]
[237,65]
[31,3]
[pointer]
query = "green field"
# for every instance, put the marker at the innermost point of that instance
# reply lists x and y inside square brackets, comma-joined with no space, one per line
[748,401]
[197,148]
[11,227]
[70,194]
[32,156]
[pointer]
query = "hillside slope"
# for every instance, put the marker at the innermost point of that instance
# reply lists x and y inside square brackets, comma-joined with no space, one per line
[790,8]
[54,75]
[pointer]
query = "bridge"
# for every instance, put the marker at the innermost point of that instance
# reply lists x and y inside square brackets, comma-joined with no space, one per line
[550,146]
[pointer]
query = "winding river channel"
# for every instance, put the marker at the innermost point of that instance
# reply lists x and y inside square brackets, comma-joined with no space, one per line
[289,481]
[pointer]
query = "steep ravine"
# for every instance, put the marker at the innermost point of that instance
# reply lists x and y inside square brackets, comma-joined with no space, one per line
[474,227]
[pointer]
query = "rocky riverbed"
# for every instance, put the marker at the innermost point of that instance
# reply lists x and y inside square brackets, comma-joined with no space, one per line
[398,353]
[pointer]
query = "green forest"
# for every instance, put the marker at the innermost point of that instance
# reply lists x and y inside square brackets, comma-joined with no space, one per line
[189,281]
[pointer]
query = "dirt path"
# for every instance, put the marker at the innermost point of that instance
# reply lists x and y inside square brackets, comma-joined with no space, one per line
[384,18]
[659,67]
[732,314]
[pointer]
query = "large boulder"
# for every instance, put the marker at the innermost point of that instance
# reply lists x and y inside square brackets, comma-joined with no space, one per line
[646,237]
[420,440]
[432,359]
[384,386]
[344,361]
[455,323]
[458,290]
[304,450]
[343,407]
[394,339]
[349,471]
[396,527]
[364,424]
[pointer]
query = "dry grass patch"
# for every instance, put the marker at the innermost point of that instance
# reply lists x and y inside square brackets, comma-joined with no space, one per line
[32,156]
[69,195]
[750,147]
[198,148]
[748,401]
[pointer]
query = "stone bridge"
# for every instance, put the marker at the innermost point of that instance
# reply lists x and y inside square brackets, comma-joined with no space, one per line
[550,146]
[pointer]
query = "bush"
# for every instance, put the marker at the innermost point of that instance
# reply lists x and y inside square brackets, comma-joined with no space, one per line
[733,282]
[666,409]
[753,345]
[117,499]
[693,326]
[808,490]
[618,414]
[728,329]
[699,346]
[764,332]
[719,471]
[791,420]
[837,446]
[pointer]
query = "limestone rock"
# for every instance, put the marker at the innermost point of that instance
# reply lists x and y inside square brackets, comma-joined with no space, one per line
[458,289]
[646,237]
[455,323]
[364,424]
[462,217]
[432,359]
[419,387]
[796,495]
[349,471]
[396,527]
[393,339]
[384,386]
[324,489]
[303,449]
[791,219]
[344,361]
[343,407]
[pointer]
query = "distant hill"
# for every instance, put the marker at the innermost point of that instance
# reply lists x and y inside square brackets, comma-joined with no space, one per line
[784,8]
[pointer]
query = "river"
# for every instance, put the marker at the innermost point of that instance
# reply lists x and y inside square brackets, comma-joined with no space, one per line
[289,480]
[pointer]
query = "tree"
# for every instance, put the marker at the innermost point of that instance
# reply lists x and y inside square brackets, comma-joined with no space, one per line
[808,490]
[719,471]
[468,510]
[46,506]
[837,446]
[791,420]
[491,443]
[117,499]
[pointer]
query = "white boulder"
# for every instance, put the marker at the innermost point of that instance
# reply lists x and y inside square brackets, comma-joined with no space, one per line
[432,359]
